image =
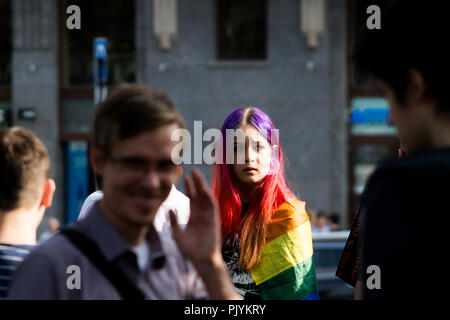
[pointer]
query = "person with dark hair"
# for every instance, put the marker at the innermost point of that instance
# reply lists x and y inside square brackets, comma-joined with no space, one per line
[322,225]
[333,222]
[115,252]
[404,253]
[52,228]
[25,193]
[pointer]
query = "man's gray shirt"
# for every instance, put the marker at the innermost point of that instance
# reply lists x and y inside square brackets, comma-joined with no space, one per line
[46,273]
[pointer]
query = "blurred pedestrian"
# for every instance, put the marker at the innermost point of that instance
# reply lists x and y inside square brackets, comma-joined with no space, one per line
[407,250]
[52,227]
[25,193]
[176,201]
[313,220]
[322,222]
[265,228]
[333,222]
[116,249]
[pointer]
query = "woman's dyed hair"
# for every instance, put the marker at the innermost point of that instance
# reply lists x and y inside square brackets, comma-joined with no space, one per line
[269,194]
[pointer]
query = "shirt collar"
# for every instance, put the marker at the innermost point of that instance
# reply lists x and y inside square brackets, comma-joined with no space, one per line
[110,242]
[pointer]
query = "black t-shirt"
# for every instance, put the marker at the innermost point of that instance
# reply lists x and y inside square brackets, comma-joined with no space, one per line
[242,280]
[405,227]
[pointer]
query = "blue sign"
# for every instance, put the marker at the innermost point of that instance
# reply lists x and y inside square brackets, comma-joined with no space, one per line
[77,178]
[370,116]
[369,110]
[100,60]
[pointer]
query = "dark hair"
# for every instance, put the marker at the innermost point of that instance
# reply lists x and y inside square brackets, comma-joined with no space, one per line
[321,214]
[129,111]
[334,218]
[411,37]
[24,166]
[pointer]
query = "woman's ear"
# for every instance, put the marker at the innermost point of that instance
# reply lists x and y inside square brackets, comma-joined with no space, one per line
[49,191]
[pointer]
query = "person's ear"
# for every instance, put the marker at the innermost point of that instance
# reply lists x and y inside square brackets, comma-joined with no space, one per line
[275,148]
[417,88]
[96,160]
[179,171]
[49,191]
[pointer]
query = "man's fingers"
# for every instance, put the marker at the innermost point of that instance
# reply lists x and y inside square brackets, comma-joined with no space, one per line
[174,223]
[200,183]
[191,192]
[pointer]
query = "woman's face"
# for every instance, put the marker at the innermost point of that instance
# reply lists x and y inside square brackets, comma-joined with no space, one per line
[257,153]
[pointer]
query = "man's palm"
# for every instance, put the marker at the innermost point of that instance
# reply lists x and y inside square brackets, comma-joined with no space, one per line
[200,241]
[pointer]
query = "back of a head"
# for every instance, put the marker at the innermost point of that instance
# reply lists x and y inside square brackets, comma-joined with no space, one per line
[321,215]
[129,111]
[412,36]
[334,218]
[24,167]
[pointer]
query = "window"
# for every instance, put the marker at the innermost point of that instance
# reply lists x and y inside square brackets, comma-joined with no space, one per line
[112,19]
[5,43]
[242,29]
[5,63]
[5,114]
[358,20]
[372,138]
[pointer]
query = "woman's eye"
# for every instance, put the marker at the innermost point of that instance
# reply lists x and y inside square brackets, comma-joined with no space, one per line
[259,147]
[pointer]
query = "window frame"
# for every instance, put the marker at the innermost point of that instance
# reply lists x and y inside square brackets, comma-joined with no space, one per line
[221,52]
[66,92]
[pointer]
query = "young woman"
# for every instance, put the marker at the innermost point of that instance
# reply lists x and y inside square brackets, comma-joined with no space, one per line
[266,232]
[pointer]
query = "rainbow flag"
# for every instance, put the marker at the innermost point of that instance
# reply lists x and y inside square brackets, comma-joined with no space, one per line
[286,270]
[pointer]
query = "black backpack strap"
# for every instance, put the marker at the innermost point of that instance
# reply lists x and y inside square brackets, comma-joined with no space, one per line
[109,269]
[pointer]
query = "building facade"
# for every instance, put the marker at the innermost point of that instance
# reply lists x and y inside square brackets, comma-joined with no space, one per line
[211,57]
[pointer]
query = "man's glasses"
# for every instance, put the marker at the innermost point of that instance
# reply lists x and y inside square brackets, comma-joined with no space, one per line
[141,165]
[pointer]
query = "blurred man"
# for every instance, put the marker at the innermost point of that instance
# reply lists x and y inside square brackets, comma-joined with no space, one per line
[313,219]
[333,222]
[115,252]
[52,228]
[404,250]
[322,225]
[25,193]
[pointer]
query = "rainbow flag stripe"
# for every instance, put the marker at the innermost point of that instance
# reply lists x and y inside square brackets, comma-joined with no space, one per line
[286,270]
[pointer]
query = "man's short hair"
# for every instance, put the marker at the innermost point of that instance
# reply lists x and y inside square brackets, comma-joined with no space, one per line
[129,111]
[321,214]
[334,218]
[411,37]
[24,166]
